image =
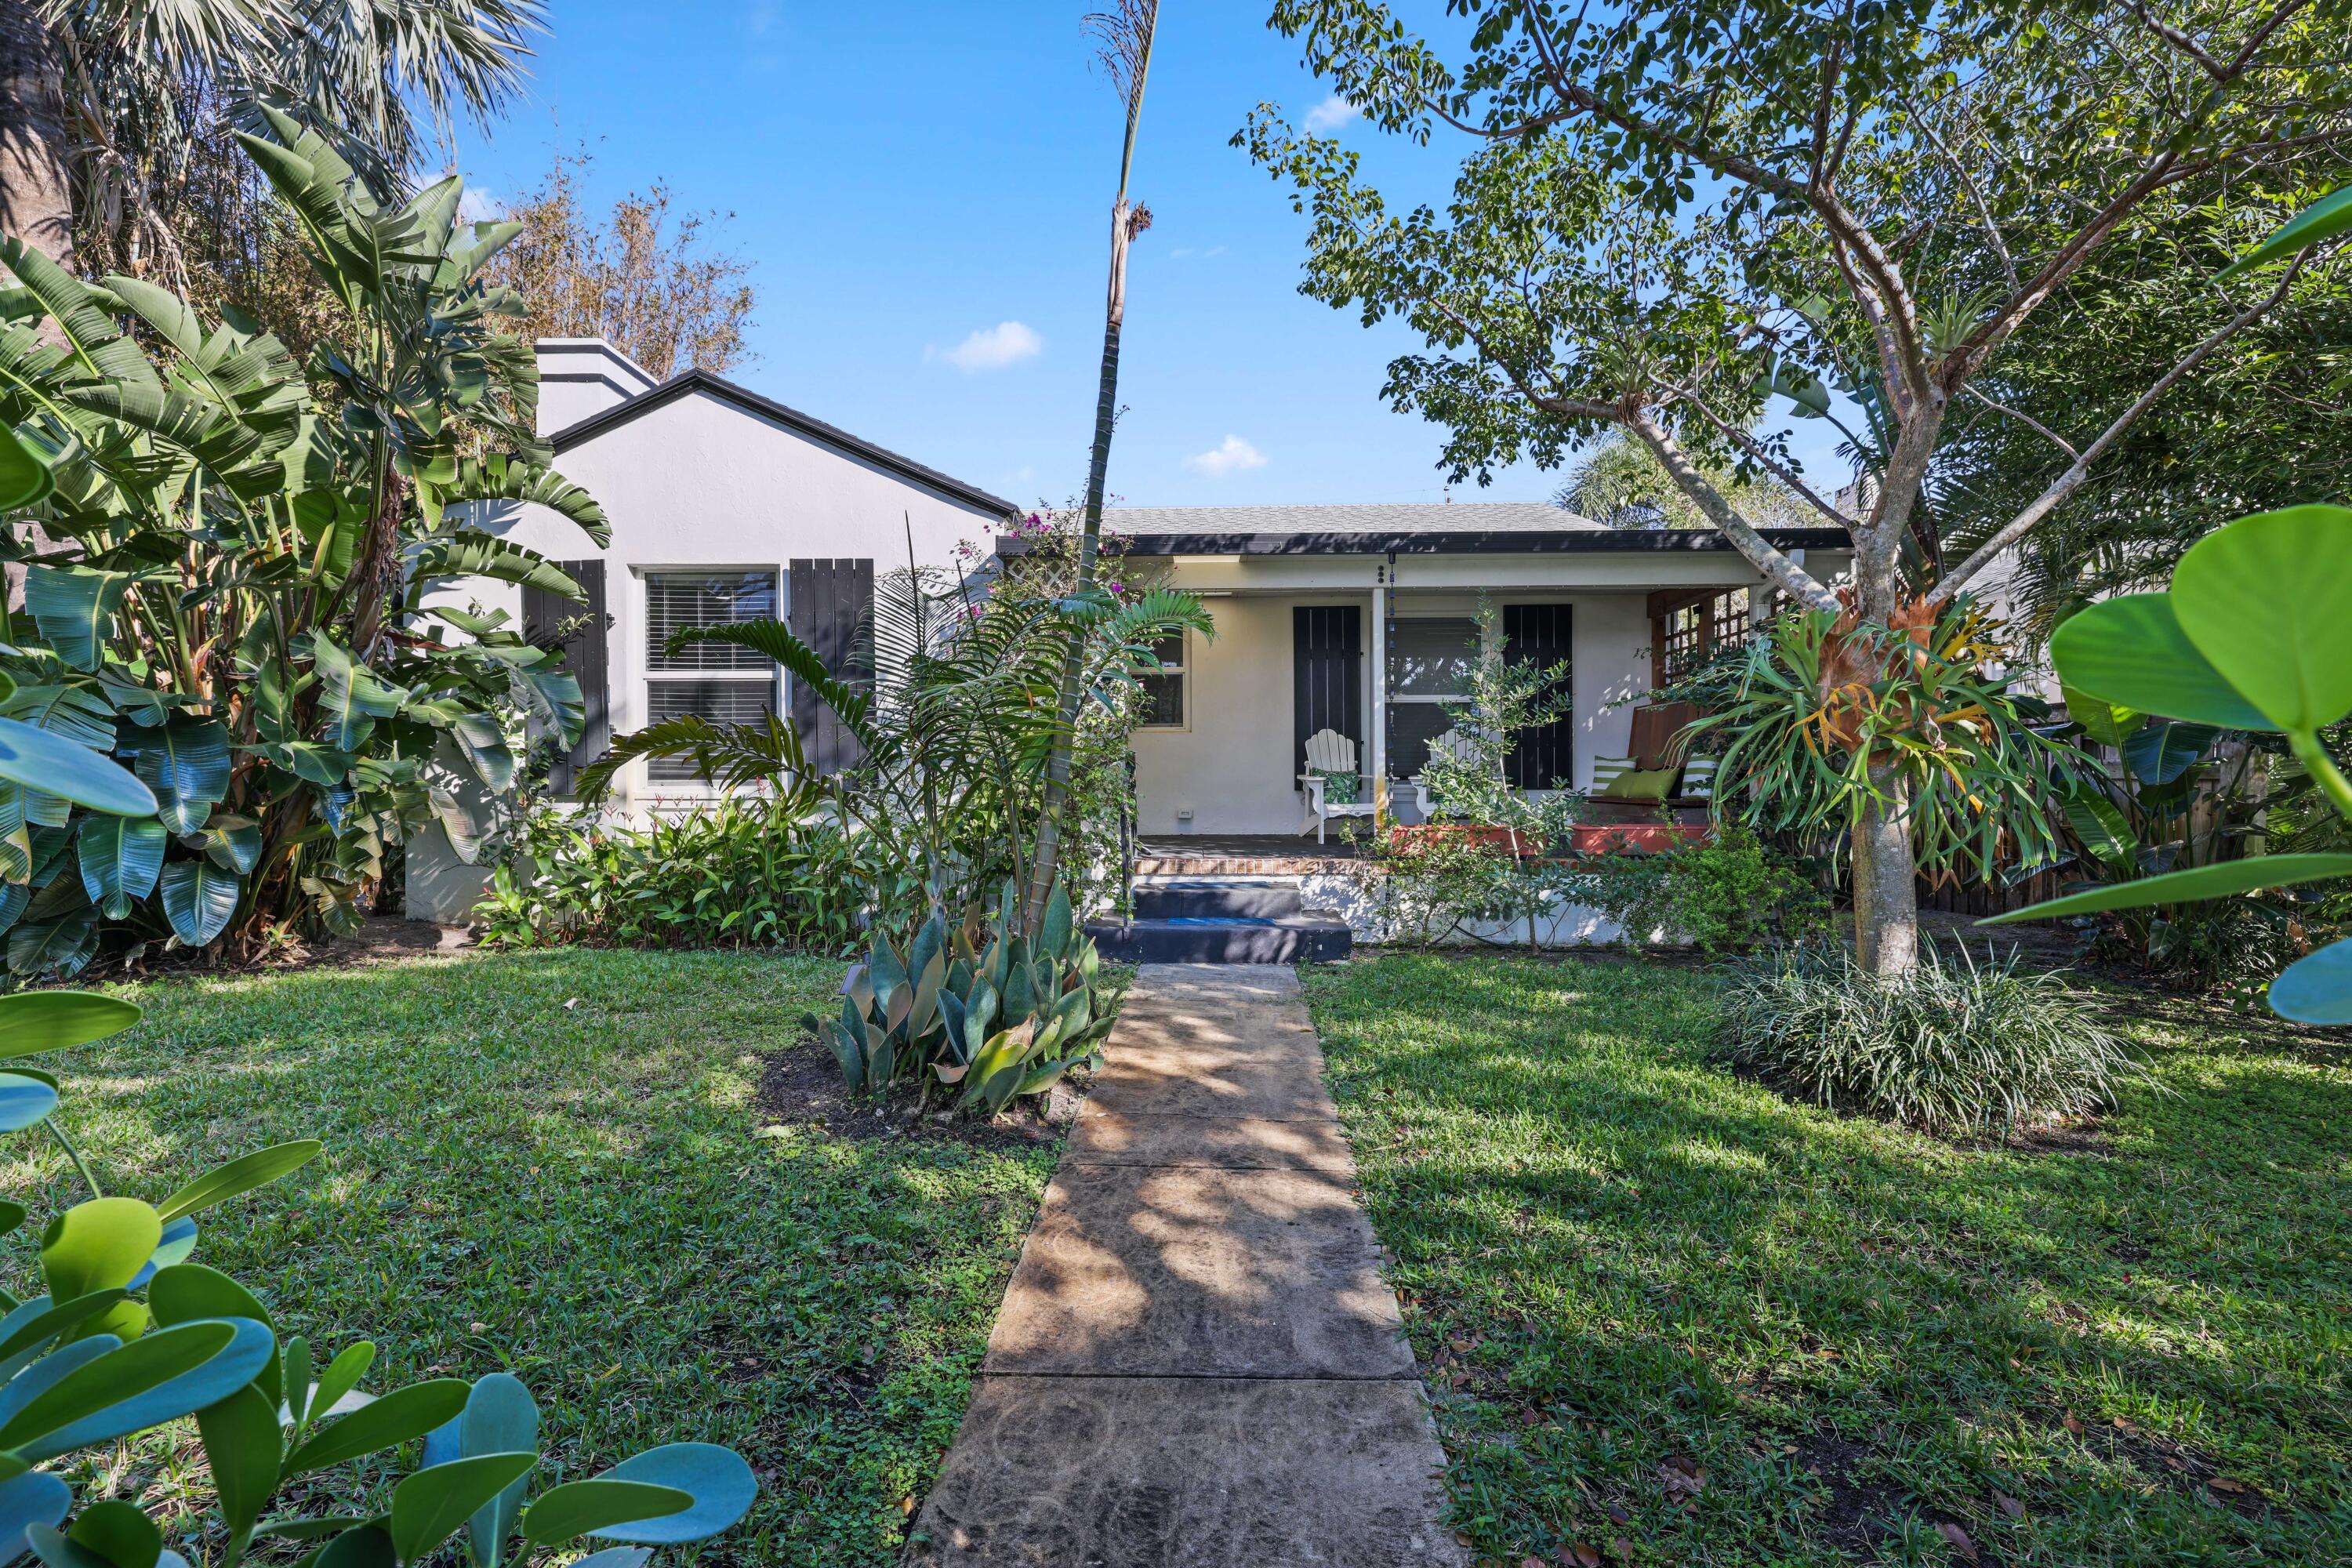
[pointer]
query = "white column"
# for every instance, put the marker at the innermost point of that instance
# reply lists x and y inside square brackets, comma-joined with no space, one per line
[1377,743]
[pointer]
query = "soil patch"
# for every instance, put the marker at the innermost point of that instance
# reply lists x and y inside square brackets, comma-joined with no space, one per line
[1854,1513]
[800,1086]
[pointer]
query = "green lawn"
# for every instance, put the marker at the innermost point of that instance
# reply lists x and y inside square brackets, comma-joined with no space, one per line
[553,1164]
[1667,1313]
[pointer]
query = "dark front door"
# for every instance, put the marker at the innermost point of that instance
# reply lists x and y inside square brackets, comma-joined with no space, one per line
[1545,755]
[1328,676]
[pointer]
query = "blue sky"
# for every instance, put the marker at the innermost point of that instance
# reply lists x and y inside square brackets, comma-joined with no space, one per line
[923,189]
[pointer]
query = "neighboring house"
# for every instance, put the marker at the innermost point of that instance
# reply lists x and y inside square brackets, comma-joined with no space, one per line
[1362,620]
[725,505]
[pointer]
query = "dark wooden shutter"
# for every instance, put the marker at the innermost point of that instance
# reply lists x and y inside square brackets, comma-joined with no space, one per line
[1327,664]
[586,654]
[831,611]
[1539,635]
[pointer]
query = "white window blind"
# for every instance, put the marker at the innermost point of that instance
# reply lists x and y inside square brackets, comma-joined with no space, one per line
[721,682]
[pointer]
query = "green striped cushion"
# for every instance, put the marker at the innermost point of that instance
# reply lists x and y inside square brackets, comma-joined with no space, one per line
[1606,768]
[1698,777]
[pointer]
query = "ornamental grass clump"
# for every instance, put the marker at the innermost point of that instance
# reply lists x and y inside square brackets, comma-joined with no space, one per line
[1958,1047]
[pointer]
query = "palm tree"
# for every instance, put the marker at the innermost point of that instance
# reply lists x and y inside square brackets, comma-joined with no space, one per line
[1125,35]
[107,100]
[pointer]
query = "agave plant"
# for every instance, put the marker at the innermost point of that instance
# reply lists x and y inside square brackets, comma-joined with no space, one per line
[242,612]
[977,1004]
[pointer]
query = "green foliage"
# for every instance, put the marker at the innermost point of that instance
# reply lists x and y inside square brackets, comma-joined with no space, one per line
[977,1004]
[1728,894]
[1958,1048]
[1825,716]
[743,872]
[956,729]
[2258,622]
[246,625]
[131,1335]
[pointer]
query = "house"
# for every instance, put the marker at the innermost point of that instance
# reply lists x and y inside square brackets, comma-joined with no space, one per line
[725,505]
[1364,620]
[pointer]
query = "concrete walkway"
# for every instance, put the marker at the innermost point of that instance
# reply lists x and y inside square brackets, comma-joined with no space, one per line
[1197,1361]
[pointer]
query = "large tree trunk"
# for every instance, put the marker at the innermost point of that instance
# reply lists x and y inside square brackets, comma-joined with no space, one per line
[1885,887]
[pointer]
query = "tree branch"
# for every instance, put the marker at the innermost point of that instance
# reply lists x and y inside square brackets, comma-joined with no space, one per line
[2067,483]
[1783,572]
[1756,450]
[2019,414]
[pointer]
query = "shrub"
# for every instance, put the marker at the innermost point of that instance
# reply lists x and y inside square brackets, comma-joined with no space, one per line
[1731,895]
[1952,1048]
[740,873]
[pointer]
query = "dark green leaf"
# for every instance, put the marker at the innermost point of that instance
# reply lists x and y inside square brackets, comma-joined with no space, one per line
[55,765]
[241,1175]
[120,857]
[428,1506]
[199,900]
[400,1416]
[583,1508]
[2225,880]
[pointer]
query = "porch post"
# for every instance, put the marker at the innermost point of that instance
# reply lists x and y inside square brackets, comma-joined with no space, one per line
[1377,743]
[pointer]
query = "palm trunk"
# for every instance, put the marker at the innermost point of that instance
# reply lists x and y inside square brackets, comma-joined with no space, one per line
[36,192]
[1046,863]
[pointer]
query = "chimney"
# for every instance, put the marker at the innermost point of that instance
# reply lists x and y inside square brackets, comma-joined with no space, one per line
[579,378]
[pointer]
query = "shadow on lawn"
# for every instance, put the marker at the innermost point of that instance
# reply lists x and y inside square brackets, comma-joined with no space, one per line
[1623,1257]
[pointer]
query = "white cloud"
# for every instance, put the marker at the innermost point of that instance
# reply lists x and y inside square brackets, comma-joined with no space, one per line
[1331,113]
[1234,454]
[478,203]
[992,348]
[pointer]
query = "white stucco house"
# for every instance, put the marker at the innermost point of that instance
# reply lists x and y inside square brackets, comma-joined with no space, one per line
[724,505]
[1359,620]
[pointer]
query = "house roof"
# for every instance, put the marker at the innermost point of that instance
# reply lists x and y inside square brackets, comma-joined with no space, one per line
[1465,527]
[743,397]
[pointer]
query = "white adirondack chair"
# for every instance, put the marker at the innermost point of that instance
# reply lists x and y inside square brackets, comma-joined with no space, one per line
[1329,752]
[1454,744]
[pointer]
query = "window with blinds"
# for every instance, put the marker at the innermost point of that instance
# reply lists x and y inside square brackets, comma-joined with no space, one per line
[1433,661]
[718,681]
[1164,690]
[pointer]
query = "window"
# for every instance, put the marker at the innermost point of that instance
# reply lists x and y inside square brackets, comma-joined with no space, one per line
[1432,661]
[718,681]
[1163,689]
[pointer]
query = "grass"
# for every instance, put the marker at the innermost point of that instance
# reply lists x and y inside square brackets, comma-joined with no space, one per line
[1670,1315]
[553,1164]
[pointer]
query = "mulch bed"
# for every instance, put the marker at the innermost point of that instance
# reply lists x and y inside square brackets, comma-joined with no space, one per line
[800,1086]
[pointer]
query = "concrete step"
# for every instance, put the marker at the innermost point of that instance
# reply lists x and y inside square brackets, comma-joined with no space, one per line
[1229,898]
[1312,936]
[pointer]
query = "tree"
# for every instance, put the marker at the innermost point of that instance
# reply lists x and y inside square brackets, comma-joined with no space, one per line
[104,102]
[1619,482]
[2266,425]
[1678,213]
[243,614]
[643,281]
[1126,36]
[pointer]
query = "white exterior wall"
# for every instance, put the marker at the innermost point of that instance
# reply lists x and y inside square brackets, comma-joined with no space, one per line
[698,482]
[701,483]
